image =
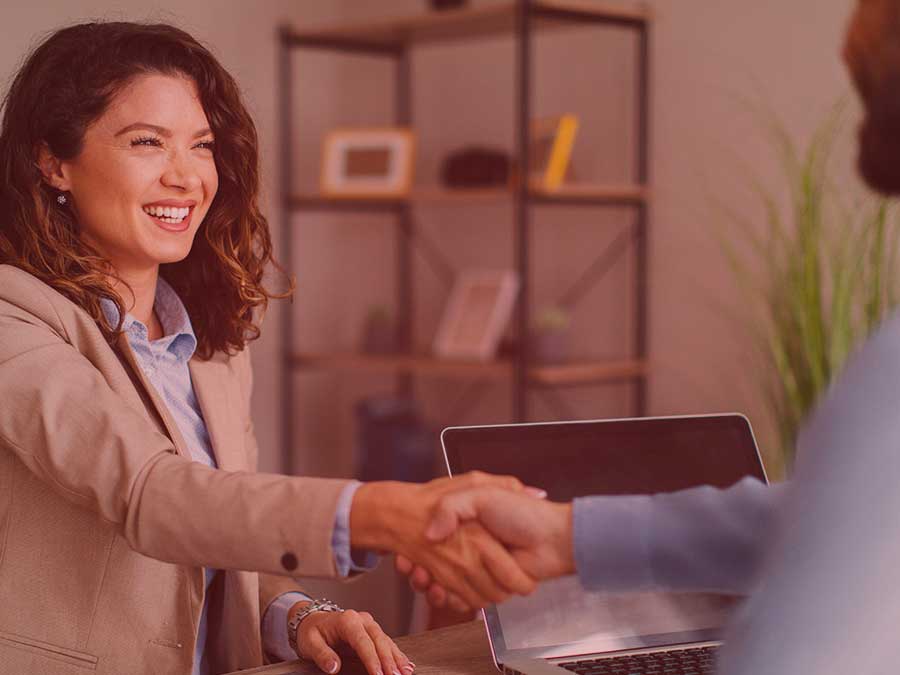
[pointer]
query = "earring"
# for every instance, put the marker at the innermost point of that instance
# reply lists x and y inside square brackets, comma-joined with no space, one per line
[61,199]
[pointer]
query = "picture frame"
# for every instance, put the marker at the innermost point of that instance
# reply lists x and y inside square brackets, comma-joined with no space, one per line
[476,315]
[551,143]
[360,163]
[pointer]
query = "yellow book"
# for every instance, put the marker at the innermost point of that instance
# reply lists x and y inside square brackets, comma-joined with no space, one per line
[561,152]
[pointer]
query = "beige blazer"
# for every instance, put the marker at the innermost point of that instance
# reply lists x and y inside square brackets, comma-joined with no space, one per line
[106,524]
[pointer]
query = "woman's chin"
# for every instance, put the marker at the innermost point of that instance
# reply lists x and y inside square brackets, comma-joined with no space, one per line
[170,255]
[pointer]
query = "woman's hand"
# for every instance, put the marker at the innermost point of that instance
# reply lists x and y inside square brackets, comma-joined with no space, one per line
[320,633]
[469,563]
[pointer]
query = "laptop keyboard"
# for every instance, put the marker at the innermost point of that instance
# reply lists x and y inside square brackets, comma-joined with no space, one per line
[674,662]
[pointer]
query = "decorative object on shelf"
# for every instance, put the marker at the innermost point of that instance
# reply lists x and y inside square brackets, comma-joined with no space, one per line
[366,163]
[552,139]
[379,332]
[474,167]
[393,442]
[442,5]
[550,335]
[476,315]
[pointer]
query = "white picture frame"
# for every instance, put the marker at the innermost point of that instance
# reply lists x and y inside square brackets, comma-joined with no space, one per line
[476,315]
[364,163]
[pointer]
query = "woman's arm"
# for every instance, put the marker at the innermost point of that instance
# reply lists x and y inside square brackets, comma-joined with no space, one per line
[97,447]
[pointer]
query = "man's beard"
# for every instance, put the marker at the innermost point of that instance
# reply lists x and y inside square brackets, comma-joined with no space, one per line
[879,140]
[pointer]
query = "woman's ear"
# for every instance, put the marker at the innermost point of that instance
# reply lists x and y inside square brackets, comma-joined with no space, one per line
[52,169]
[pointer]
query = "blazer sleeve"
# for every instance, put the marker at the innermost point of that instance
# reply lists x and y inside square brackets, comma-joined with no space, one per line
[700,539]
[62,419]
[270,586]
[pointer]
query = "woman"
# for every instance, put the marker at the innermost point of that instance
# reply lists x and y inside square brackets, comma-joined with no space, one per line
[135,536]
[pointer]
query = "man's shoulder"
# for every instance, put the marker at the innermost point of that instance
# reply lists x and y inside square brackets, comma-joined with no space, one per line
[883,345]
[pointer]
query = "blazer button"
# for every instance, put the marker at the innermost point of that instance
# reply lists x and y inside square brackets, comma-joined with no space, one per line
[289,562]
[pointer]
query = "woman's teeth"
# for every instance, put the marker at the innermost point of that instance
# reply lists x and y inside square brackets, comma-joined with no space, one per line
[168,214]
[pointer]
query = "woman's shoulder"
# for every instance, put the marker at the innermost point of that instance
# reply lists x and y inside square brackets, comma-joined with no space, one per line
[25,297]
[24,290]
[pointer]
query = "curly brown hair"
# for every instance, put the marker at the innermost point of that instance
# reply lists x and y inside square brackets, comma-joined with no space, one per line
[67,83]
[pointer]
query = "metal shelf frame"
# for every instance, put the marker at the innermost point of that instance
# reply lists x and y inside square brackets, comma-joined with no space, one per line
[394,41]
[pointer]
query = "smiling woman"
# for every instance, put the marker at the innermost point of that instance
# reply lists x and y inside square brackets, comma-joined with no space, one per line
[124,118]
[135,535]
[141,190]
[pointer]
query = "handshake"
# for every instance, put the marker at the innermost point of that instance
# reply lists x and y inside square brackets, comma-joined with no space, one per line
[467,541]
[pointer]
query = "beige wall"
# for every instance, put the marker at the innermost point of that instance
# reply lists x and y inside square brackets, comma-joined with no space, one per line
[706,55]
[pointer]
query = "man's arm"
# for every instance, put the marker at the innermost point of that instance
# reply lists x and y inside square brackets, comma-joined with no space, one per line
[829,600]
[700,539]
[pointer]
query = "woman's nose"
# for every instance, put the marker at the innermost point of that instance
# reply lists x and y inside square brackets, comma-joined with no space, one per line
[180,173]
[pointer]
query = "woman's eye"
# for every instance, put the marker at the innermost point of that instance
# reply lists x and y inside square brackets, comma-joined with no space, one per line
[146,140]
[206,145]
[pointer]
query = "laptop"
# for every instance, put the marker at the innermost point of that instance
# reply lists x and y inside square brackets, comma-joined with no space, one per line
[564,628]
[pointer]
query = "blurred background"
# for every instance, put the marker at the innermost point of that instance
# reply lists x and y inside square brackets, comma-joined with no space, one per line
[668,328]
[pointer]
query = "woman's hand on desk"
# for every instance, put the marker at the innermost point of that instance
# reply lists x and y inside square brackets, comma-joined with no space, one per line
[320,633]
[469,562]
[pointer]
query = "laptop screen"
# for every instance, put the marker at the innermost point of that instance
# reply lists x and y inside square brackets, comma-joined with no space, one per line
[639,456]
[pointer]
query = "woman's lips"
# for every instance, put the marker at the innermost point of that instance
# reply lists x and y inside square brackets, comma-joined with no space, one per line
[173,227]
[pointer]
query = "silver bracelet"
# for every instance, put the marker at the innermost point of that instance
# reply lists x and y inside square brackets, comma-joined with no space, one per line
[318,605]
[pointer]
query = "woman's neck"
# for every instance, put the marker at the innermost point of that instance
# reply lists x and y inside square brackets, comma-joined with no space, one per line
[139,300]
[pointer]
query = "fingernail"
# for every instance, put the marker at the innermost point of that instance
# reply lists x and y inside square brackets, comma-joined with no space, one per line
[396,672]
[332,667]
[409,668]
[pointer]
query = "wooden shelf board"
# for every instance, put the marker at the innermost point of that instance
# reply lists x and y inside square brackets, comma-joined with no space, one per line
[466,22]
[578,192]
[312,201]
[576,373]
[423,365]
[569,373]
[575,193]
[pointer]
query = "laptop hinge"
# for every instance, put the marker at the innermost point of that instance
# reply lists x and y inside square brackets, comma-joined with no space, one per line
[531,667]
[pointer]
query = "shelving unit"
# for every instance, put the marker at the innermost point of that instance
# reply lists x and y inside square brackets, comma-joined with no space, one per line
[394,40]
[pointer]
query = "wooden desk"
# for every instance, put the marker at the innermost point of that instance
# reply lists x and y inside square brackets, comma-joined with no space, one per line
[458,650]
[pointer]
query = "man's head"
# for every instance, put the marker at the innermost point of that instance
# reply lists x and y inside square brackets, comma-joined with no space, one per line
[872,54]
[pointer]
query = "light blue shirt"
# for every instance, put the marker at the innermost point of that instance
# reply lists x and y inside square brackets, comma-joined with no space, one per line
[699,539]
[164,363]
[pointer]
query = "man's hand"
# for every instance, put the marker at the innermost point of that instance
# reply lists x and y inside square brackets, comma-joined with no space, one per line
[537,533]
[467,561]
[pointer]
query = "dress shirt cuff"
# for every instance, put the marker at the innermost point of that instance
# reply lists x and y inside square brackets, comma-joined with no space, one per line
[612,542]
[348,560]
[274,626]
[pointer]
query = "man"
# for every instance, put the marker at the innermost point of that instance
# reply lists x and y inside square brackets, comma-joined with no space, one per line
[820,556]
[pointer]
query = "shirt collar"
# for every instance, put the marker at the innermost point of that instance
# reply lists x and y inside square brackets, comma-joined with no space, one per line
[178,333]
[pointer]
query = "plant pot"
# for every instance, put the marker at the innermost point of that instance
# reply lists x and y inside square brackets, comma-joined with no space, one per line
[550,347]
[379,337]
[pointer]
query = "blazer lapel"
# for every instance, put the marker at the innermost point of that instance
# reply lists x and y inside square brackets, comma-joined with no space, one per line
[215,391]
[159,407]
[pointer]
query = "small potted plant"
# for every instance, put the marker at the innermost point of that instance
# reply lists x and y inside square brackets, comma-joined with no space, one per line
[550,335]
[379,333]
